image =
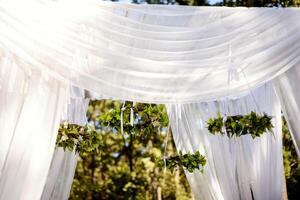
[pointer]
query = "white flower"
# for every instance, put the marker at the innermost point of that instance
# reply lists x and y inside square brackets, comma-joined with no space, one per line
[64,137]
[65,124]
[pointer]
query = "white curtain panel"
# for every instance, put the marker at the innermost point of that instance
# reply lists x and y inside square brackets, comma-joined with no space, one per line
[288,89]
[60,176]
[63,164]
[237,168]
[149,53]
[30,109]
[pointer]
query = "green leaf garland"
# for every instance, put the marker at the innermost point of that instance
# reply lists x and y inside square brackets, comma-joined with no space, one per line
[82,139]
[238,125]
[190,162]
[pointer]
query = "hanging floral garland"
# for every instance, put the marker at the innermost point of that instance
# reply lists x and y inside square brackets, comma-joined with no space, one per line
[188,161]
[238,125]
[82,139]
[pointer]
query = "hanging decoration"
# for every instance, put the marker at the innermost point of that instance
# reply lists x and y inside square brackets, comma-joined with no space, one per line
[189,161]
[136,119]
[237,125]
[82,139]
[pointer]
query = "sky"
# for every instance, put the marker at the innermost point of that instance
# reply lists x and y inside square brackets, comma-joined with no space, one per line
[210,1]
[213,1]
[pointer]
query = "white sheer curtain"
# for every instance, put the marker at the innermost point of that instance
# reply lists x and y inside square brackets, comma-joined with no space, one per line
[151,53]
[237,168]
[63,164]
[288,89]
[30,109]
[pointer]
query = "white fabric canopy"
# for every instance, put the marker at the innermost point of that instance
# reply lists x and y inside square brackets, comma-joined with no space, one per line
[159,54]
[151,53]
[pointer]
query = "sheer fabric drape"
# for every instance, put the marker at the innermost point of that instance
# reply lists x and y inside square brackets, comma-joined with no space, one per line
[30,109]
[151,53]
[61,173]
[237,168]
[288,89]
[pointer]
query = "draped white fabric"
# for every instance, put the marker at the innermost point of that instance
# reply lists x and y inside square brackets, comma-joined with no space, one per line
[63,164]
[151,53]
[30,110]
[235,167]
[60,177]
[288,89]
[145,53]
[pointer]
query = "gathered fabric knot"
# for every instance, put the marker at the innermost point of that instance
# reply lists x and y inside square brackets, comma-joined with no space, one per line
[233,74]
[232,67]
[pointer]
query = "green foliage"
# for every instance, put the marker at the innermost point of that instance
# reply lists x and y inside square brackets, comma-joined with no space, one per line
[180,2]
[259,3]
[238,125]
[291,164]
[188,161]
[124,167]
[147,118]
[193,2]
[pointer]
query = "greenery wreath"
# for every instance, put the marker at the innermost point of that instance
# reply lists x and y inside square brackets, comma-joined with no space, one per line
[188,161]
[237,125]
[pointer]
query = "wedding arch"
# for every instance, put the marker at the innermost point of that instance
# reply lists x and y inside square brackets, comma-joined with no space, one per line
[55,55]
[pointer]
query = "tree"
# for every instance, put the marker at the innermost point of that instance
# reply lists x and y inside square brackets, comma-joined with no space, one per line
[123,166]
[180,2]
[259,3]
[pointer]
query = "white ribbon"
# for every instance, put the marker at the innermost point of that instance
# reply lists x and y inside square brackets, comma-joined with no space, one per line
[122,110]
[132,114]
[232,68]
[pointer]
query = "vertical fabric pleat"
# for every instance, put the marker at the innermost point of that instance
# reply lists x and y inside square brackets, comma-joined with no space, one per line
[62,170]
[31,105]
[287,87]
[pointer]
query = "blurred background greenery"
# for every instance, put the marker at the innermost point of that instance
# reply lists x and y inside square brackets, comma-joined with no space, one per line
[230,3]
[291,164]
[123,167]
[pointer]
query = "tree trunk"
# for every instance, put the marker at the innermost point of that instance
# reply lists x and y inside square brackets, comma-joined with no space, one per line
[130,150]
[177,182]
[159,193]
[284,190]
[93,166]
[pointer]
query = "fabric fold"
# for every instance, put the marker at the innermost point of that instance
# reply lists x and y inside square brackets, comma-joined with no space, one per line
[31,105]
[63,165]
[287,88]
